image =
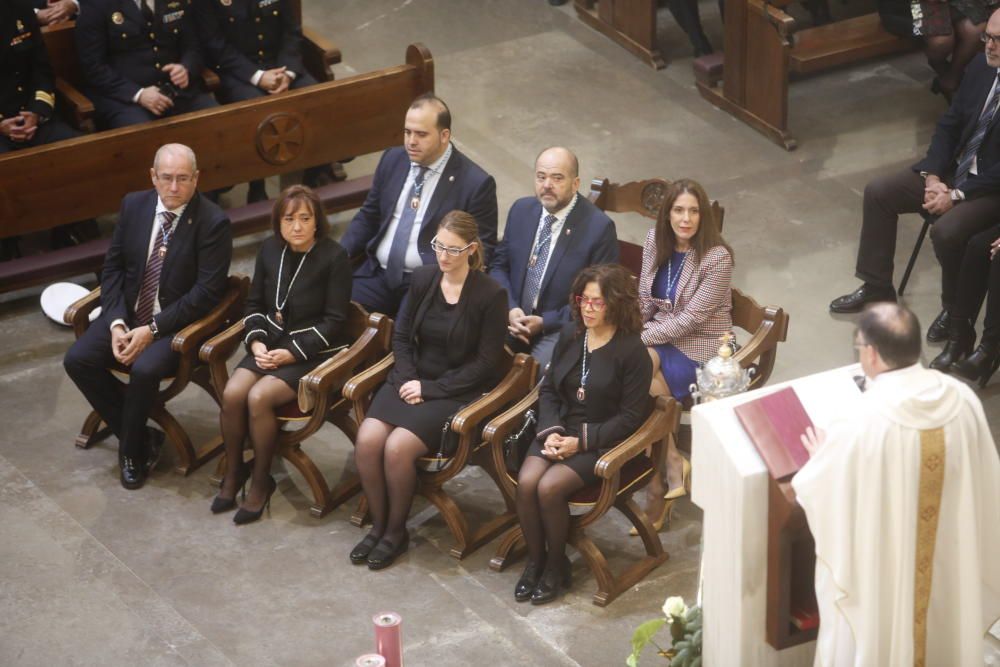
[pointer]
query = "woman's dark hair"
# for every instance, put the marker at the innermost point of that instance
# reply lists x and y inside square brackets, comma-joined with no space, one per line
[619,291]
[464,226]
[290,199]
[708,235]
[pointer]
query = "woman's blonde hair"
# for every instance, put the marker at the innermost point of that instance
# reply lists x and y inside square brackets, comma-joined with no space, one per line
[464,226]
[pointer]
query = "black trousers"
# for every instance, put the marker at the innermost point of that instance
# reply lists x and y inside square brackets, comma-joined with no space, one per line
[370,289]
[889,196]
[112,114]
[53,130]
[234,89]
[980,277]
[124,407]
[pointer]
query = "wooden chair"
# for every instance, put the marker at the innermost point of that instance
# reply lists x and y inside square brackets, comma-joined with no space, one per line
[322,388]
[521,370]
[622,471]
[767,325]
[185,342]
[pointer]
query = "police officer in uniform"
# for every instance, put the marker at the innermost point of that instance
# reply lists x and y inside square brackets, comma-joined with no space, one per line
[256,48]
[141,60]
[27,97]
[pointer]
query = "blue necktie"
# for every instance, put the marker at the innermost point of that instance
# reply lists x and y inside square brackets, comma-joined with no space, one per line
[976,140]
[401,241]
[536,265]
[151,276]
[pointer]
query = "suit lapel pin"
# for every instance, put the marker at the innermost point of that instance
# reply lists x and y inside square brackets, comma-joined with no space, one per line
[568,231]
[451,179]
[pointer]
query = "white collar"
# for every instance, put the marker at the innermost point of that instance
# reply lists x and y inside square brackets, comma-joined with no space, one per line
[564,212]
[438,164]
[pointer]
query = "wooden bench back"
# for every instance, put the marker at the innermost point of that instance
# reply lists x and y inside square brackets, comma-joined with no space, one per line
[72,180]
[61,45]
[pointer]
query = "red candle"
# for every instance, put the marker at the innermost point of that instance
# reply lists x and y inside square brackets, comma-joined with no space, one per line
[388,638]
[370,660]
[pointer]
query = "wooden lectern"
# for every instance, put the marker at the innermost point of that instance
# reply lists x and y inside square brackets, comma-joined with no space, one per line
[758,557]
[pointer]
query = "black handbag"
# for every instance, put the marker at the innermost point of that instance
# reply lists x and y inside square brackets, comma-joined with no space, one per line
[447,447]
[515,445]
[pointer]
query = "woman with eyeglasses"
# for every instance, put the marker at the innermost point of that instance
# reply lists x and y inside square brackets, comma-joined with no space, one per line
[295,316]
[686,303]
[447,348]
[594,395]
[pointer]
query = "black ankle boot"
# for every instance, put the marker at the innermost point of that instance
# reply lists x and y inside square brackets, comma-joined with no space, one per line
[981,364]
[528,582]
[556,578]
[961,336]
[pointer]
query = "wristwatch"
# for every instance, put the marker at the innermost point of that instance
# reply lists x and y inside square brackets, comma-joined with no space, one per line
[153,328]
[956,195]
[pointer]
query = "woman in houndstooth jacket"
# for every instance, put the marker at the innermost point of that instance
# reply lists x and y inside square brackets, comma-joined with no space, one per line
[686,306]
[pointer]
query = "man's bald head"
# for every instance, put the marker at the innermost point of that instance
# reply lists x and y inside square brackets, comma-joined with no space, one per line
[177,150]
[894,331]
[562,156]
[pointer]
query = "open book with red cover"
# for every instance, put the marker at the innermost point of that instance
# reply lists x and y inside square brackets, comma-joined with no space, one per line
[775,424]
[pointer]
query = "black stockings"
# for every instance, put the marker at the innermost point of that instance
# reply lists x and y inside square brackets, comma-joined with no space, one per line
[948,55]
[249,402]
[543,492]
[386,457]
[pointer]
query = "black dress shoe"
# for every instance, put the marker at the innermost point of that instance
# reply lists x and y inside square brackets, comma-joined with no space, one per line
[245,516]
[939,328]
[385,552]
[553,583]
[856,300]
[133,474]
[961,336]
[528,581]
[154,439]
[980,365]
[359,554]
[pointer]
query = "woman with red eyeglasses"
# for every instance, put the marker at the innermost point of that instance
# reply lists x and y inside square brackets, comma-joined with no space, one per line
[686,303]
[595,395]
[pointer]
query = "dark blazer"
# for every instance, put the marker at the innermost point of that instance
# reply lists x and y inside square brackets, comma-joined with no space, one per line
[120,51]
[956,127]
[463,185]
[588,237]
[240,37]
[193,277]
[27,83]
[475,342]
[317,308]
[618,400]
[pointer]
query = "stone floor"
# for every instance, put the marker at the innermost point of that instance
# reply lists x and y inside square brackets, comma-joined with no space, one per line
[92,574]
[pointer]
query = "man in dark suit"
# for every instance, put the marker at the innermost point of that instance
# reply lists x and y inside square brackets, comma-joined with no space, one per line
[958,182]
[166,268]
[256,48]
[549,238]
[141,60]
[415,185]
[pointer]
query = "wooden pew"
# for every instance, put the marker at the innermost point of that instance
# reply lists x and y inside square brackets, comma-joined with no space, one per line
[631,23]
[763,49]
[84,177]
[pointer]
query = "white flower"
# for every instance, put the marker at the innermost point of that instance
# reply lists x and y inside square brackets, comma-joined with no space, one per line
[674,606]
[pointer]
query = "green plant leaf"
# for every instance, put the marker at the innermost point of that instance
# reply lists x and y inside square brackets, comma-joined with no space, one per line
[683,655]
[643,634]
[696,638]
[696,662]
[632,661]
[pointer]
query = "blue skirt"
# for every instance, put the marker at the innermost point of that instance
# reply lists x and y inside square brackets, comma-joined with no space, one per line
[678,370]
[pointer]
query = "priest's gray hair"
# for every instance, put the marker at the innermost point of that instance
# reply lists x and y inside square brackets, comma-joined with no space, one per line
[176,149]
[894,331]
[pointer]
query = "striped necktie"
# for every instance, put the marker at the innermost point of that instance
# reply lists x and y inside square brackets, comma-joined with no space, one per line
[151,277]
[968,154]
[536,265]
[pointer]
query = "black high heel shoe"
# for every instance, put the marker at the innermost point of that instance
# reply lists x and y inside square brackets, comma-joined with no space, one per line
[244,516]
[961,337]
[980,365]
[528,582]
[221,504]
[553,583]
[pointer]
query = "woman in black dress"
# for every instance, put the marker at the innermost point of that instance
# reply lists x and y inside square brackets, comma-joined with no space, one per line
[295,316]
[448,344]
[595,395]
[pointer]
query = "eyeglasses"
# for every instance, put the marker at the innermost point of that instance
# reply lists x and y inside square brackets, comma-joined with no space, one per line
[585,302]
[452,251]
[986,38]
[180,179]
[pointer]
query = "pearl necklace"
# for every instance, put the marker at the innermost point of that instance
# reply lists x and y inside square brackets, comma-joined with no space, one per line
[279,305]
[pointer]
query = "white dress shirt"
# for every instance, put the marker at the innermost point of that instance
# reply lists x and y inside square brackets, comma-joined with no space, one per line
[431,179]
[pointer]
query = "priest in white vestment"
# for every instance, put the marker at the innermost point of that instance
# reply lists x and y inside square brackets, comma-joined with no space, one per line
[903,500]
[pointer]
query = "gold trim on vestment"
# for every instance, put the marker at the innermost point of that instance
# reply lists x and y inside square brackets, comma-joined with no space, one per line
[928,508]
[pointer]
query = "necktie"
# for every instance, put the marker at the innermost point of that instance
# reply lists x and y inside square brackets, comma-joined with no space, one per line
[536,265]
[146,7]
[976,140]
[401,241]
[151,277]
